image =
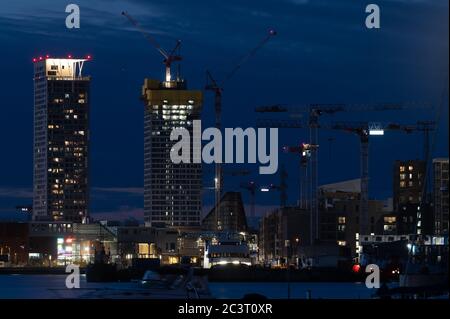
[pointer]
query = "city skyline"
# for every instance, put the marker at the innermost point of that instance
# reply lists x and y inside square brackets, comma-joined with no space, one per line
[246,154]
[117,123]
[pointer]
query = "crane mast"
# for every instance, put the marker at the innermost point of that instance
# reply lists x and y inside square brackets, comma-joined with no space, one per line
[217,88]
[169,58]
[315,111]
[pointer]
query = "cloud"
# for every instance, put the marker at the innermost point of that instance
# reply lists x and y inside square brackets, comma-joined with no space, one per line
[43,17]
[12,192]
[121,214]
[138,191]
[299,2]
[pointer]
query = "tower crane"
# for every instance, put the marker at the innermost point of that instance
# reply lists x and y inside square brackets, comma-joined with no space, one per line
[217,88]
[251,187]
[364,130]
[243,172]
[315,111]
[282,187]
[426,127]
[304,150]
[169,58]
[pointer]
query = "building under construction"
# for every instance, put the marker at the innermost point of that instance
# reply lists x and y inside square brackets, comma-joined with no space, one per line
[172,192]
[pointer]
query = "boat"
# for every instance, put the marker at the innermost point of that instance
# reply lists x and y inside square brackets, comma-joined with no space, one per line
[425,274]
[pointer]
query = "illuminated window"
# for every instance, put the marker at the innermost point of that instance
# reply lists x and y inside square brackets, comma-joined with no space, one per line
[341,220]
[402,184]
[402,168]
[144,249]
[390,219]
[389,228]
[410,168]
[402,176]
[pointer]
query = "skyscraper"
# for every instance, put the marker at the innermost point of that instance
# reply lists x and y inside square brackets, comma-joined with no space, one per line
[440,195]
[172,192]
[61,140]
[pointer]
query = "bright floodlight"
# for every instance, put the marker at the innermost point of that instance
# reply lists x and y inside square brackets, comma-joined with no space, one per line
[376,132]
[264,189]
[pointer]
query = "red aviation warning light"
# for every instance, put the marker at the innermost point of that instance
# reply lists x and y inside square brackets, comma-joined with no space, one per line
[356,268]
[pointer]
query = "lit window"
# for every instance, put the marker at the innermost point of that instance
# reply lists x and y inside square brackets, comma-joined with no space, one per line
[390,219]
[410,168]
[402,168]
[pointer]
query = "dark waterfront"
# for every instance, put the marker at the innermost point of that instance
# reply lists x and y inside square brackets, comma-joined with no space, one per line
[53,287]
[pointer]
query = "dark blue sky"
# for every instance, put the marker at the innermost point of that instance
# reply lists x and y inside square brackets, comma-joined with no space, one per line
[322,54]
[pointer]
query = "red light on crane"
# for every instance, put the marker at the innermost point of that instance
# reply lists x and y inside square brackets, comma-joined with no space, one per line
[89,57]
[70,56]
[34,59]
[41,58]
[47,56]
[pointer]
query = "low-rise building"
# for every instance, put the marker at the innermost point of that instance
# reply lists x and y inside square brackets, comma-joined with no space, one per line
[13,243]
[281,232]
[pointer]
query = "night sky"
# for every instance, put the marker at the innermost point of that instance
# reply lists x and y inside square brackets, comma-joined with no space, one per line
[323,53]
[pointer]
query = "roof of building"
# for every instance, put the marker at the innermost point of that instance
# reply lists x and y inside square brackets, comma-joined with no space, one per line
[350,186]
